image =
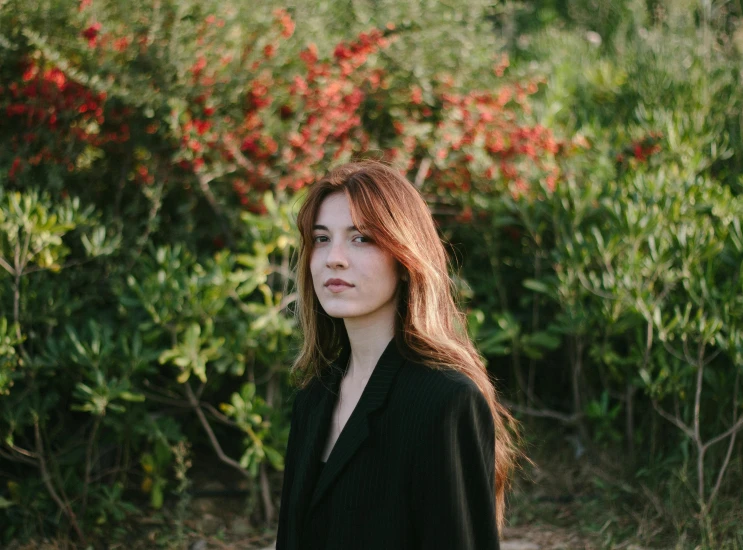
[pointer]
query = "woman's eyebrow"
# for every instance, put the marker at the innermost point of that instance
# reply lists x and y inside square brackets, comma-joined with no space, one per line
[349,228]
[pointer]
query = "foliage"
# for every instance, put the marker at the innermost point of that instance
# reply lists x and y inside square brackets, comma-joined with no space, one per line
[154,155]
[584,157]
[633,262]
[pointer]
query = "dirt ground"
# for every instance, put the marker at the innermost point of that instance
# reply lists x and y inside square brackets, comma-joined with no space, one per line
[540,518]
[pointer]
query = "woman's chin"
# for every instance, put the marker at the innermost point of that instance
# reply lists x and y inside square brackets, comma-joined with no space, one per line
[344,312]
[341,313]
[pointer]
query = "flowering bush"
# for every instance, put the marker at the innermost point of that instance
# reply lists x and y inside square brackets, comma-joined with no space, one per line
[152,153]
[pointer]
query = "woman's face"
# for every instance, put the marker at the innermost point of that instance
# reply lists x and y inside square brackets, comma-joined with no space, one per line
[341,251]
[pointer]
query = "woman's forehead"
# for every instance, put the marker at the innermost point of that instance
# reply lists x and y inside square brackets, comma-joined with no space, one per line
[335,213]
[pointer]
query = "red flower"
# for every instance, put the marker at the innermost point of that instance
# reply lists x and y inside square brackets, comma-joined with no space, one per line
[639,152]
[309,56]
[91,33]
[15,168]
[288,25]
[29,73]
[57,77]
[342,51]
[285,20]
[202,126]
[416,96]
[199,66]
[121,44]
[249,145]
[16,109]
[466,215]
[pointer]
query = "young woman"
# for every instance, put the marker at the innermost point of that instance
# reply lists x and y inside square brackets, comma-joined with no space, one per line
[397,440]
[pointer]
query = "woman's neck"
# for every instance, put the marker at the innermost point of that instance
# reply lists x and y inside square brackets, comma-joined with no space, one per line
[368,342]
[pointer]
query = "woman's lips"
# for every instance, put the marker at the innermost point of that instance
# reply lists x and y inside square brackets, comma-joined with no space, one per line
[335,288]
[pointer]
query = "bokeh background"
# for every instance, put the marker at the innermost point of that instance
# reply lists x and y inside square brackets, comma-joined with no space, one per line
[583,160]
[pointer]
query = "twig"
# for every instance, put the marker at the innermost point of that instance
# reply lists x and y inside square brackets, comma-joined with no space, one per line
[89,462]
[219,416]
[21,265]
[156,196]
[673,419]
[167,400]
[46,477]
[673,352]
[420,176]
[210,433]
[590,288]
[738,426]
[544,413]
[204,180]
[268,506]
[71,263]
[654,500]
[6,266]
[731,445]
[21,459]
[712,356]
[697,422]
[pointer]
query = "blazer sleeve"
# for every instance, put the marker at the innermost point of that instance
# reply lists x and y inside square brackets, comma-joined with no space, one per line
[453,501]
[289,466]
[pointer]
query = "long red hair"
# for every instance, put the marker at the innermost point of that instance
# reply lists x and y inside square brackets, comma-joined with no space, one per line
[428,322]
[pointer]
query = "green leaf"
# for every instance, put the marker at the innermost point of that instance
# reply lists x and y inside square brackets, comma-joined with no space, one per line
[536,286]
[544,340]
[274,458]
[156,497]
[129,396]
[5,503]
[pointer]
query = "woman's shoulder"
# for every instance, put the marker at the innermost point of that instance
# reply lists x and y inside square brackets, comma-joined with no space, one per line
[429,401]
[432,388]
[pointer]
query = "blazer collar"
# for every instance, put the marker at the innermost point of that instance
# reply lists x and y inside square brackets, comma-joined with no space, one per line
[356,429]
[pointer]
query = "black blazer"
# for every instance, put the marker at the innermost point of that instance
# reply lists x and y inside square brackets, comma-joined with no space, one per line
[413,468]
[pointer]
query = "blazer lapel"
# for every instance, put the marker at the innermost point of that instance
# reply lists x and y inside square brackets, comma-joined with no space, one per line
[319,410]
[356,430]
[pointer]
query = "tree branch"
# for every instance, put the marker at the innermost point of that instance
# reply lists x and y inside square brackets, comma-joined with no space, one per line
[738,426]
[731,445]
[6,266]
[47,478]
[204,180]
[420,176]
[544,413]
[210,433]
[673,419]
[89,462]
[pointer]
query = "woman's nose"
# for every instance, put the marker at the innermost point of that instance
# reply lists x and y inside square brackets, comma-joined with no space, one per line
[336,255]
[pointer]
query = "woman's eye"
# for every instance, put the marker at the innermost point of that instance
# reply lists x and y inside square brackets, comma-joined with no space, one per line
[316,239]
